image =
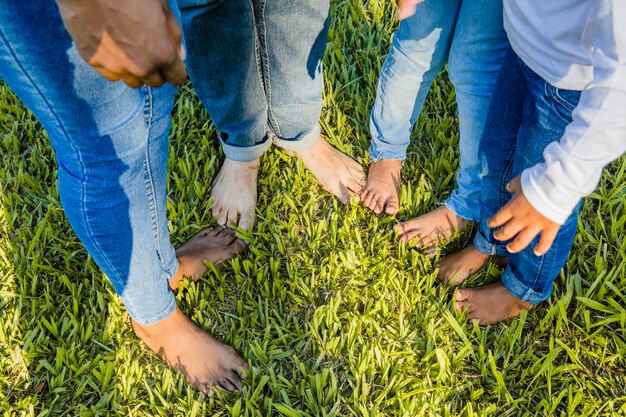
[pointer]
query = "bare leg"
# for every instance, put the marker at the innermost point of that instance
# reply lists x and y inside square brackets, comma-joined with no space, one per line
[204,361]
[490,303]
[431,228]
[234,193]
[337,172]
[383,186]
[457,267]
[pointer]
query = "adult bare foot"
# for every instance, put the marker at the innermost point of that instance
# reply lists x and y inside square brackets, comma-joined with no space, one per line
[490,303]
[234,193]
[204,361]
[431,228]
[458,267]
[337,172]
[383,186]
[210,245]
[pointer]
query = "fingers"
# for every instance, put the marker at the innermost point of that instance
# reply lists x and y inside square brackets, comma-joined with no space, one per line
[509,230]
[514,185]
[522,240]
[407,8]
[502,216]
[547,238]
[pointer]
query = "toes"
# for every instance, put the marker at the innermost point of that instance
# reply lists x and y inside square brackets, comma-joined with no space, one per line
[227,385]
[407,237]
[224,232]
[344,195]
[234,379]
[216,210]
[221,217]
[238,246]
[400,228]
[210,232]
[247,220]
[231,217]
[366,198]
[392,207]
[463,295]
[380,205]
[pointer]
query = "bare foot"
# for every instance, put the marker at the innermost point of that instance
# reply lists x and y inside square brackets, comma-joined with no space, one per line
[490,303]
[204,361]
[210,245]
[383,186]
[234,193]
[337,172]
[459,266]
[439,224]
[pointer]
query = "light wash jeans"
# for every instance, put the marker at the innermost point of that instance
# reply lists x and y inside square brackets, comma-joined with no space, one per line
[469,35]
[257,68]
[526,115]
[111,146]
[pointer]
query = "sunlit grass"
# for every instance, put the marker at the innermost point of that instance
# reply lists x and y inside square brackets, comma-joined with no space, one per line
[339,317]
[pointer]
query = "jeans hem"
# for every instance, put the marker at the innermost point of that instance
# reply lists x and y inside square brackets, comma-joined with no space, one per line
[460,209]
[162,315]
[376,155]
[301,143]
[245,153]
[521,291]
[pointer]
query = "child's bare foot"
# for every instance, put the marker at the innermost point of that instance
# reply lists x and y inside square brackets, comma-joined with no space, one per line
[490,303]
[204,361]
[383,186]
[458,267]
[337,172]
[210,245]
[439,224]
[234,193]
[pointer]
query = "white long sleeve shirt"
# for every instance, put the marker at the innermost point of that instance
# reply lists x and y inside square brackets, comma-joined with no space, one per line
[574,45]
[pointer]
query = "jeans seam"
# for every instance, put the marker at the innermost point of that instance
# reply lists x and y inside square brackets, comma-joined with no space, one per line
[149,181]
[76,152]
[265,66]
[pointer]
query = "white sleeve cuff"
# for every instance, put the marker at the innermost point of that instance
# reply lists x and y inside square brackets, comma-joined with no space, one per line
[538,195]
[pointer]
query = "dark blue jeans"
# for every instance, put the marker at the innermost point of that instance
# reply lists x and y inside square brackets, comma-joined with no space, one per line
[526,114]
[257,67]
[111,146]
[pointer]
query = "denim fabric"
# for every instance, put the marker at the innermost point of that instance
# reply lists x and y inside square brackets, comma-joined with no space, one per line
[526,115]
[111,146]
[470,36]
[257,68]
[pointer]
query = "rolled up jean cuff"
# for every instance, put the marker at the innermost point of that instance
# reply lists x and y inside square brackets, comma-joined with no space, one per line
[302,142]
[521,291]
[460,209]
[377,154]
[245,153]
[163,313]
[488,247]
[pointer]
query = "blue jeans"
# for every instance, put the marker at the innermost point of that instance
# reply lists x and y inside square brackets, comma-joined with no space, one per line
[470,36]
[257,67]
[111,145]
[525,116]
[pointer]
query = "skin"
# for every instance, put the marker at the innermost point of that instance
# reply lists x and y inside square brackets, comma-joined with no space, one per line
[518,220]
[235,188]
[489,304]
[456,268]
[138,41]
[382,191]
[204,361]
[406,8]
[431,228]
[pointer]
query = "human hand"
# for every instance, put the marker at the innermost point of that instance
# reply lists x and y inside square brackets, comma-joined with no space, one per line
[136,41]
[406,8]
[519,219]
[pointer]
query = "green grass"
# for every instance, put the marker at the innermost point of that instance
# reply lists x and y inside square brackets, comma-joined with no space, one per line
[338,316]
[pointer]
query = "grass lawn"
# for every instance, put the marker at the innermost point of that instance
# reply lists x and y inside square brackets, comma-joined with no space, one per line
[339,317]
